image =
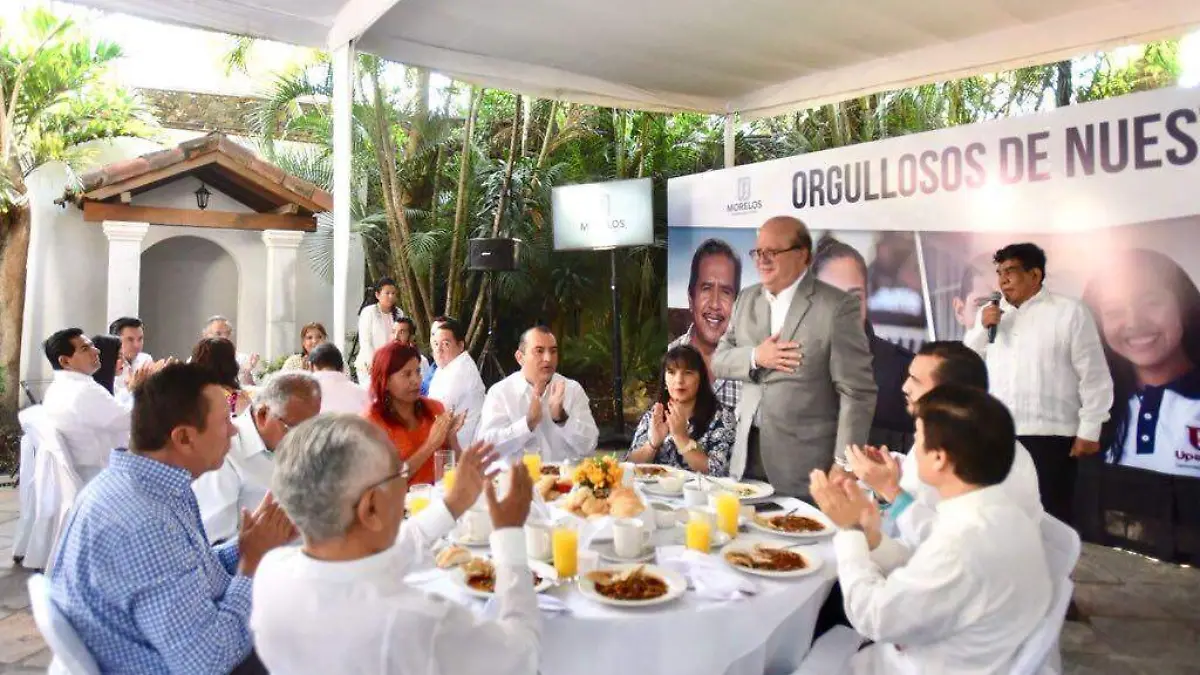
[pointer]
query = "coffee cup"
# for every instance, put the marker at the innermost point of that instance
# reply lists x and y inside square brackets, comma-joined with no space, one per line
[630,537]
[694,495]
[664,515]
[474,526]
[537,540]
[671,482]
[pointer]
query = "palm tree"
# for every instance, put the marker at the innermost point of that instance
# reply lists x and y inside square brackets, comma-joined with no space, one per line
[52,100]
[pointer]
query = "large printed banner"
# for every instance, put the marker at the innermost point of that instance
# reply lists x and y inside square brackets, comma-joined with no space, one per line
[1110,190]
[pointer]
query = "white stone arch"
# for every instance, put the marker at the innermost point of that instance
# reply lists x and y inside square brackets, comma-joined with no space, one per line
[185,279]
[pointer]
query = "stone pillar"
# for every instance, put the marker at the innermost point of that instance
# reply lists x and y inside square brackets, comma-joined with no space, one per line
[281,337]
[124,267]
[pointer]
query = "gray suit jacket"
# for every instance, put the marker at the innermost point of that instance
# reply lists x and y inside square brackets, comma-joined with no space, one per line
[809,416]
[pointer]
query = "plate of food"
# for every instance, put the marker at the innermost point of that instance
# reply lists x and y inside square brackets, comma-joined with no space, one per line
[478,578]
[619,502]
[789,524]
[551,487]
[650,473]
[770,560]
[746,490]
[632,585]
[551,470]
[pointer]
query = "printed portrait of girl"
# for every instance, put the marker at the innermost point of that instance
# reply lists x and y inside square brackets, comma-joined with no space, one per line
[1148,311]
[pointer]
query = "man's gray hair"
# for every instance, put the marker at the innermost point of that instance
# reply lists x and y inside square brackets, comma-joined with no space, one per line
[282,388]
[322,468]
[217,317]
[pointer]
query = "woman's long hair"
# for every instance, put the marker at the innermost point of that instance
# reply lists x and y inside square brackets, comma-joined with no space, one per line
[686,357]
[370,299]
[219,356]
[110,351]
[1124,375]
[389,359]
[312,326]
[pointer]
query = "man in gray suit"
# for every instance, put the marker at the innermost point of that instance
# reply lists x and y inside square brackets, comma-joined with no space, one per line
[798,345]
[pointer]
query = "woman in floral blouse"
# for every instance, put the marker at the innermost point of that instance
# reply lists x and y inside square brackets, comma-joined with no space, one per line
[688,428]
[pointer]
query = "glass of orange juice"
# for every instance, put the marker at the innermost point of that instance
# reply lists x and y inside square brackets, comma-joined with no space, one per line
[565,547]
[533,462]
[448,480]
[699,534]
[728,508]
[418,498]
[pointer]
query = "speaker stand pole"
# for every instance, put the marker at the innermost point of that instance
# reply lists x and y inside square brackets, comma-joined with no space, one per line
[618,388]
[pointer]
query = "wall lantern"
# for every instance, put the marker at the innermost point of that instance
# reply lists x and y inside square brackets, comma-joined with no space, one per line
[202,197]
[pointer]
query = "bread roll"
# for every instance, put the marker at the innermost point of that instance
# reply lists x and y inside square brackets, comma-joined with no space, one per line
[453,556]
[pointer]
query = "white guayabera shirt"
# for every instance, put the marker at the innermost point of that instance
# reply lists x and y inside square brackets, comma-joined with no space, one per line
[90,419]
[241,482]
[460,388]
[962,602]
[504,421]
[359,616]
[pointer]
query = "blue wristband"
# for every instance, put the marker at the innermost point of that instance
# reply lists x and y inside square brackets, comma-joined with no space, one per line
[902,502]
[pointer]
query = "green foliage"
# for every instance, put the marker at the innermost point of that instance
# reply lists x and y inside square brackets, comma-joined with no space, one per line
[55,98]
[1156,66]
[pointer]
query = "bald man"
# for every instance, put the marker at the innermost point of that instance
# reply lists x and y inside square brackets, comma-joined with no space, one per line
[799,347]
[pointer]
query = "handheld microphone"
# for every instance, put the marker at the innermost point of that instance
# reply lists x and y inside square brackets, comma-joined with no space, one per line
[992,329]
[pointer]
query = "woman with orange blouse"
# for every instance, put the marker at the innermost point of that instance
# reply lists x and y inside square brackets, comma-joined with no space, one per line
[418,426]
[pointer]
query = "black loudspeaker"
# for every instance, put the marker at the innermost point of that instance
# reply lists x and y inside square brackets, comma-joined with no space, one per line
[492,255]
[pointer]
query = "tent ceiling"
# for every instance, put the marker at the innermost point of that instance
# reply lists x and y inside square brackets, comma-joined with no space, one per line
[756,57]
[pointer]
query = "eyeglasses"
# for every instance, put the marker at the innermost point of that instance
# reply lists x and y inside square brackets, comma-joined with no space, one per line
[401,473]
[768,254]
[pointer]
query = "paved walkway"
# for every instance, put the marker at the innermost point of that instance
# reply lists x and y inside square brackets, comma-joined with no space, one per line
[1141,617]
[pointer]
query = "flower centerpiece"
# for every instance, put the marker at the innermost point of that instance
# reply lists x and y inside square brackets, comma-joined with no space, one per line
[600,474]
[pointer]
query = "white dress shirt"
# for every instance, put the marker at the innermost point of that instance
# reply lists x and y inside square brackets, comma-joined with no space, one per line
[311,616]
[90,419]
[339,394]
[374,331]
[503,421]
[779,306]
[121,384]
[916,521]
[1047,366]
[241,482]
[963,602]
[459,387]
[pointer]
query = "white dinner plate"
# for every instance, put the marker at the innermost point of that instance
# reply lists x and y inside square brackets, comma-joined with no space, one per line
[455,538]
[460,577]
[676,585]
[813,563]
[656,488]
[748,491]
[651,479]
[830,528]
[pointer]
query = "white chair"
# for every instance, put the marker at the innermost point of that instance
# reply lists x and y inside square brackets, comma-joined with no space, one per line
[31,419]
[1040,655]
[831,652]
[71,657]
[57,485]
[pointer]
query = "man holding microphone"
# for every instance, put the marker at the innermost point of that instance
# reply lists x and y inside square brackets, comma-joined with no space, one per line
[1045,362]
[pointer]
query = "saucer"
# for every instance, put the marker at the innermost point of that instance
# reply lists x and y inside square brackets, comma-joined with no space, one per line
[607,551]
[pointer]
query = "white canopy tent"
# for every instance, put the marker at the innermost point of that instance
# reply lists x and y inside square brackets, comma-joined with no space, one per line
[752,57]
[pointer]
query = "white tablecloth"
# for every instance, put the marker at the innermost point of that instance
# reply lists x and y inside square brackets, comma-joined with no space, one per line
[767,633]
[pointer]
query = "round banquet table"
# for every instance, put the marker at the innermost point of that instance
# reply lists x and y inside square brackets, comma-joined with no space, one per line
[769,632]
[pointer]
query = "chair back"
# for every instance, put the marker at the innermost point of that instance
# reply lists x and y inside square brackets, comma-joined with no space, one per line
[1039,654]
[57,486]
[70,654]
[31,419]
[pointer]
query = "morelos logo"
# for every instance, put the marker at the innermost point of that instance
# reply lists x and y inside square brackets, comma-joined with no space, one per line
[744,203]
[1194,436]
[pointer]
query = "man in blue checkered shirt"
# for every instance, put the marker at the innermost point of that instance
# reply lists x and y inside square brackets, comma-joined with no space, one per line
[713,285]
[134,573]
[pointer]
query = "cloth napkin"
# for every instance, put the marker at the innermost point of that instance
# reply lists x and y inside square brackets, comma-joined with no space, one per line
[707,576]
[549,605]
